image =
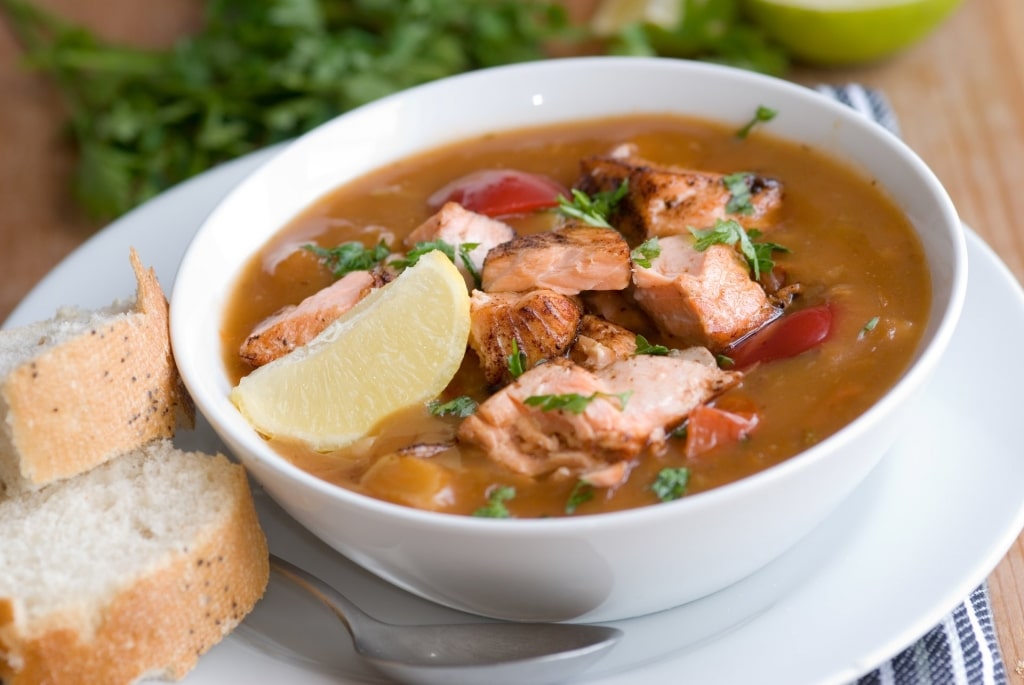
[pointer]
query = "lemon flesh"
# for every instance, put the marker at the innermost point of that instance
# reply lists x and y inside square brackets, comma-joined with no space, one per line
[847,32]
[401,345]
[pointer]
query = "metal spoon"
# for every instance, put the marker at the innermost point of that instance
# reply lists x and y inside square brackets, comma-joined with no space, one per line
[462,654]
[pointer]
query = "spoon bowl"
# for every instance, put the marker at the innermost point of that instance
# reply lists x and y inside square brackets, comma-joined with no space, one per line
[453,654]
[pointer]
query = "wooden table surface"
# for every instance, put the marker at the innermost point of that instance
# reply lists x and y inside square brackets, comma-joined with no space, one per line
[959,96]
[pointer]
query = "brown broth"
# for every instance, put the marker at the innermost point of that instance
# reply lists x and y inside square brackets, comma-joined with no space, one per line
[848,242]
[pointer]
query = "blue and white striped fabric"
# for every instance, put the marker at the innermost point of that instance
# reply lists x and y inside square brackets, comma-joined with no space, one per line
[962,649]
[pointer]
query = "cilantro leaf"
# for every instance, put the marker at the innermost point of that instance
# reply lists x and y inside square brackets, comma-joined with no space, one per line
[420,249]
[516,361]
[461,406]
[730,232]
[593,209]
[740,199]
[496,498]
[643,346]
[464,250]
[762,114]
[350,256]
[643,253]
[581,492]
[572,401]
[671,483]
[256,72]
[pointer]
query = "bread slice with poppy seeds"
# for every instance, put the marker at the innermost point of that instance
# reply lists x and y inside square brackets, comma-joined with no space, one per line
[87,385]
[131,570]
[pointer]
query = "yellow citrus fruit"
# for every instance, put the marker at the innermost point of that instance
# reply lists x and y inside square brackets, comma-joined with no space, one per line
[847,32]
[401,345]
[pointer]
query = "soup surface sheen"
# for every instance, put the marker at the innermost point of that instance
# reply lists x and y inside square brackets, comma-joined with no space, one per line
[848,245]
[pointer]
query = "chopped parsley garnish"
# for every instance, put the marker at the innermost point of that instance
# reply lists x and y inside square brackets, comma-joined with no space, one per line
[572,401]
[740,199]
[581,492]
[461,406]
[762,114]
[645,252]
[671,483]
[464,250]
[725,361]
[729,232]
[496,498]
[868,327]
[420,249]
[350,256]
[516,361]
[593,209]
[643,346]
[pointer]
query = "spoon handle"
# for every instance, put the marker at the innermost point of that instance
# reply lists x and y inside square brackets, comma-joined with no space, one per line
[351,615]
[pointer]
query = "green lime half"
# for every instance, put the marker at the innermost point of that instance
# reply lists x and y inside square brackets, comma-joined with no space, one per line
[847,32]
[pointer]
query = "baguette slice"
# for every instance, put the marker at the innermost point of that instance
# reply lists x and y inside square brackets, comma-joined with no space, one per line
[129,571]
[85,386]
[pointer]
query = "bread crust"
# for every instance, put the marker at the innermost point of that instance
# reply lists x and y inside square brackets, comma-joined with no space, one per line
[101,394]
[157,626]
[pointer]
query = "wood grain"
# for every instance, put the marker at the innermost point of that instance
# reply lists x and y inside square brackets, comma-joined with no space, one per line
[959,96]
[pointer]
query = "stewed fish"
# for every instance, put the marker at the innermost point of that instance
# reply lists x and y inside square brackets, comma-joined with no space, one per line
[686,308]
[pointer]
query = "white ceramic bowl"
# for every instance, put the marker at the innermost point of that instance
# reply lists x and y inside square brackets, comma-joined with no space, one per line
[600,567]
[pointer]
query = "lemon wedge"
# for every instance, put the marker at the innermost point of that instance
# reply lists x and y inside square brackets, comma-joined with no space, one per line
[401,345]
[847,32]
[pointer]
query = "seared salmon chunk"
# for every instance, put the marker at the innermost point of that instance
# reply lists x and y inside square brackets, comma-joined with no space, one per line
[568,260]
[616,412]
[601,342]
[296,325]
[665,200]
[457,226]
[701,297]
[542,323]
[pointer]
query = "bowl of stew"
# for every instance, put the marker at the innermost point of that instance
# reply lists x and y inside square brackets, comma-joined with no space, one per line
[702,302]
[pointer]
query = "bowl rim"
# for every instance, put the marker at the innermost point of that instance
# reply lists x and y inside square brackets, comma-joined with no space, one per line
[926,357]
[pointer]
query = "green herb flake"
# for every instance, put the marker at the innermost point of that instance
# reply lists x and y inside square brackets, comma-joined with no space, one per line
[420,249]
[461,406]
[351,256]
[495,508]
[593,209]
[740,199]
[868,327]
[725,361]
[464,250]
[643,253]
[671,483]
[581,492]
[643,346]
[763,114]
[730,232]
[516,361]
[574,402]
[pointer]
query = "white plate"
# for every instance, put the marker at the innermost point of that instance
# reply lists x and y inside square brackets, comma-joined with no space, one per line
[925,529]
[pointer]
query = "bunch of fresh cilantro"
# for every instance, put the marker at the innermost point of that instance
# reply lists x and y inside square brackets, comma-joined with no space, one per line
[263,71]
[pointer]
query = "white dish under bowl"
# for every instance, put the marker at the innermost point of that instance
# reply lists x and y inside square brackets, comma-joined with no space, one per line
[592,568]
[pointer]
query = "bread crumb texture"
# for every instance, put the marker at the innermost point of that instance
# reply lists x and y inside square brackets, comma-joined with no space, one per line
[86,386]
[131,570]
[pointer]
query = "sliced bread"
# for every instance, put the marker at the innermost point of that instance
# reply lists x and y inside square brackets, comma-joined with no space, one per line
[85,386]
[131,570]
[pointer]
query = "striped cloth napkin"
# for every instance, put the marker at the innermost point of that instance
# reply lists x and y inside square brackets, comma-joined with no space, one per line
[962,649]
